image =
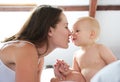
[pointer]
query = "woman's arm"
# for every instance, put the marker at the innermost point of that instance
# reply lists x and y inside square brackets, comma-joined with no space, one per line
[26,59]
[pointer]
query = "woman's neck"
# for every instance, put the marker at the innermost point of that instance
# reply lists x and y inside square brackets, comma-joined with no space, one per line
[43,51]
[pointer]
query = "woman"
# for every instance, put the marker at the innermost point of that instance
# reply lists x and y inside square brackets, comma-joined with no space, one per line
[22,55]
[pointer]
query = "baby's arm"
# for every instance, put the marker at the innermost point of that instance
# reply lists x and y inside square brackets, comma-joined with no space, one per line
[106,54]
[76,67]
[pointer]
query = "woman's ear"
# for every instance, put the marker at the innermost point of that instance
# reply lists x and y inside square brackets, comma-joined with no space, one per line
[50,32]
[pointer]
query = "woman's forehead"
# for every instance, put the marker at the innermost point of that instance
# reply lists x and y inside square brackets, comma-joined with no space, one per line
[63,18]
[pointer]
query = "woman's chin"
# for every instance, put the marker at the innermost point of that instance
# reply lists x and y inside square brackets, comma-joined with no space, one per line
[65,47]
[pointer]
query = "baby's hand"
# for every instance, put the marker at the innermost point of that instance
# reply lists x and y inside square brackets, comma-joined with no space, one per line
[57,72]
[63,67]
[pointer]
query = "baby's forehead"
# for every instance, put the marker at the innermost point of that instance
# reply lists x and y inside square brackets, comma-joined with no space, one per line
[75,27]
[84,22]
[81,23]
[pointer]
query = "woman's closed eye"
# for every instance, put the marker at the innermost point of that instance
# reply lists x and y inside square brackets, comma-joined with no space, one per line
[66,27]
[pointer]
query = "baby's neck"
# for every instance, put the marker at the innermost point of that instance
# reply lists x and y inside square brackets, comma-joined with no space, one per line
[89,45]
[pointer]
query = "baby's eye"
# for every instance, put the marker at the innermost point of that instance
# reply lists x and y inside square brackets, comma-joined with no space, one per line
[77,30]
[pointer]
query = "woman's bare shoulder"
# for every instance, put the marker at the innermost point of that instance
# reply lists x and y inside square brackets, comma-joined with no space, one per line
[18,48]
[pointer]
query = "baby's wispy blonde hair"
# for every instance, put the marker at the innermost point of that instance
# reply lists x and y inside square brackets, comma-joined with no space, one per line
[93,24]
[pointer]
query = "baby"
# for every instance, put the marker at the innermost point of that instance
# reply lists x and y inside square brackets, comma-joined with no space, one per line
[92,56]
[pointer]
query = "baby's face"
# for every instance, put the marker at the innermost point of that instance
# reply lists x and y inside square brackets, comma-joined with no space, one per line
[81,33]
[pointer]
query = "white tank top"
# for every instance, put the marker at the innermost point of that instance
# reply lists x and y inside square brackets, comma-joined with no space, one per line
[6,74]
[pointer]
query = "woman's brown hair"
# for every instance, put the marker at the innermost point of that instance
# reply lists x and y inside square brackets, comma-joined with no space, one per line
[37,26]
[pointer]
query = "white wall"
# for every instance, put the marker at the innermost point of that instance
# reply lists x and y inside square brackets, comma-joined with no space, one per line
[110,29]
[108,2]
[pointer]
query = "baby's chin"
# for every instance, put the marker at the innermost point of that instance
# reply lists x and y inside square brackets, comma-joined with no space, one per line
[76,44]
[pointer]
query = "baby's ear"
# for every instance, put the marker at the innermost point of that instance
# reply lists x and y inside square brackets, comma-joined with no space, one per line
[92,34]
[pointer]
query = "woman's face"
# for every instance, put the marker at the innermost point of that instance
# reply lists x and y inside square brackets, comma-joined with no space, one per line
[59,36]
